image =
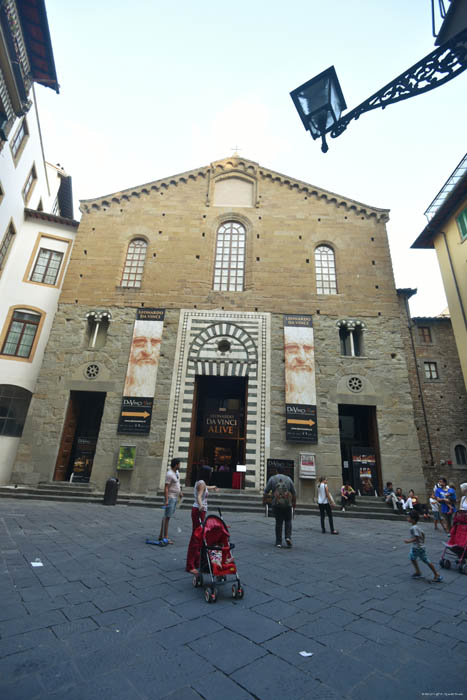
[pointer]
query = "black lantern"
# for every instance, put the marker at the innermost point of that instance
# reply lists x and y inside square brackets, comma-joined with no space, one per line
[319,103]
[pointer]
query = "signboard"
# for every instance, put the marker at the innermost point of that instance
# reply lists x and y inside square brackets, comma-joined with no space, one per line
[135,416]
[300,386]
[126,457]
[83,458]
[222,424]
[364,470]
[140,380]
[288,466]
[307,466]
[301,423]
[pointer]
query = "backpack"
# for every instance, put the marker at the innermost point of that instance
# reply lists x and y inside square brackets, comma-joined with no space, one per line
[282,496]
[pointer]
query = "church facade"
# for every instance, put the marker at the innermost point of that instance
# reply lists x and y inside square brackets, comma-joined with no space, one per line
[229,316]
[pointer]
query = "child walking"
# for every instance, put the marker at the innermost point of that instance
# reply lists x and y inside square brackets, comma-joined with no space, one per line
[418,550]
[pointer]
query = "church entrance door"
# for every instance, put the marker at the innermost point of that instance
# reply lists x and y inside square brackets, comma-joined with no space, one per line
[360,448]
[218,428]
[79,437]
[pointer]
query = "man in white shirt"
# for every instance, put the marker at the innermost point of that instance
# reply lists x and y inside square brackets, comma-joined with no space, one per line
[172,492]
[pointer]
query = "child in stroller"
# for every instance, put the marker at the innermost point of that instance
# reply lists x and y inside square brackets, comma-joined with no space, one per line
[456,547]
[216,560]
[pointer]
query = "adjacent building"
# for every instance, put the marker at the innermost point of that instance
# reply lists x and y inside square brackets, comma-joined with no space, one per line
[36,218]
[439,397]
[446,232]
[231,316]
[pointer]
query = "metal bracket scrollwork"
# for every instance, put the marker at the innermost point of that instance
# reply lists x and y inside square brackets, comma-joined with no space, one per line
[440,66]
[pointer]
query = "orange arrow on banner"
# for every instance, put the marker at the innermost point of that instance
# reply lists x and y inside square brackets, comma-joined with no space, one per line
[144,414]
[301,422]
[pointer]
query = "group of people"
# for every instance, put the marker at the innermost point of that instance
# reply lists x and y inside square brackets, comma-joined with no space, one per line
[442,502]
[280,493]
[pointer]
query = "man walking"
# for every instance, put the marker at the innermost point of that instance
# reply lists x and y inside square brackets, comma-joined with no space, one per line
[283,500]
[172,491]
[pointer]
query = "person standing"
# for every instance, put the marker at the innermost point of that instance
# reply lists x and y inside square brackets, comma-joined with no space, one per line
[198,515]
[172,492]
[283,500]
[463,504]
[442,495]
[325,501]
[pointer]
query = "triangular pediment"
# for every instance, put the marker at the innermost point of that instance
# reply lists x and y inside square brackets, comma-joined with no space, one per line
[235,166]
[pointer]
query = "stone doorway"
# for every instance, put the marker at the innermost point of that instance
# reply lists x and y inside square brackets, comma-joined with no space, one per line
[79,436]
[218,428]
[360,458]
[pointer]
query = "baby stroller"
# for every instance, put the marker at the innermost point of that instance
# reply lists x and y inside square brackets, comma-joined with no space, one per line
[456,547]
[216,559]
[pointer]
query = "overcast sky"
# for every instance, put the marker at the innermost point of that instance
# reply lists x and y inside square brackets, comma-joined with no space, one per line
[150,89]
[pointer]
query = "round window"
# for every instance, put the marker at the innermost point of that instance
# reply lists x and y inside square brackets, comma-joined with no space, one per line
[355,384]
[91,371]
[223,346]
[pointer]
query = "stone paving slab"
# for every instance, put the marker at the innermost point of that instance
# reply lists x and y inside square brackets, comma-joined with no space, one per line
[108,616]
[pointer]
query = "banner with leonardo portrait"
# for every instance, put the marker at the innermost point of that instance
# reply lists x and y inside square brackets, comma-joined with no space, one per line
[300,385]
[141,376]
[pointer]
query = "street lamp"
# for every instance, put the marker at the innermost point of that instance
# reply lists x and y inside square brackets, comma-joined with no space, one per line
[320,101]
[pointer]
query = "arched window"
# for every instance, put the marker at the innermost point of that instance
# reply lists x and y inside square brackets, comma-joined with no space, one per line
[461,454]
[325,268]
[14,404]
[134,263]
[229,267]
[21,333]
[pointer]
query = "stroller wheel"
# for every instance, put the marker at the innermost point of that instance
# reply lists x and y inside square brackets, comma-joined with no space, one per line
[234,590]
[463,569]
[210,595]
[240,592]
[197,581]
[441,563]
[447,564]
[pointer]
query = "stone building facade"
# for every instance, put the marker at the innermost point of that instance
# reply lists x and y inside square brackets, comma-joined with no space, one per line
[291,251]
[439,397]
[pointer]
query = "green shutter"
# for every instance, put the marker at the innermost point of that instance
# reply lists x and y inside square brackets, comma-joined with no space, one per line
[462,223]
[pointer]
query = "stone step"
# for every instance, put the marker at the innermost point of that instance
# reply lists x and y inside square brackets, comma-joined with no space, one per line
[228,502]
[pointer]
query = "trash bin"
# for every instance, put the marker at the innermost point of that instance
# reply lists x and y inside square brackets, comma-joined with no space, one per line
[111,491]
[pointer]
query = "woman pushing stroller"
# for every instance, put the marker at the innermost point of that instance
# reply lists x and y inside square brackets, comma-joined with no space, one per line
[198,515]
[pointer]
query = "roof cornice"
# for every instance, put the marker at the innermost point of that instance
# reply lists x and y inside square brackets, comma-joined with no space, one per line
[234,165]
[51,218]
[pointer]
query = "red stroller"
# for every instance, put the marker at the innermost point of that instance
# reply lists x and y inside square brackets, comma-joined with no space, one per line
[456,547]
[216,559]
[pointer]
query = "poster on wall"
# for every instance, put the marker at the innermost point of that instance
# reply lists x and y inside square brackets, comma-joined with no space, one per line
[364,470]
[300,385]
[307,466]
[287,467]
[140,380]
[126,457]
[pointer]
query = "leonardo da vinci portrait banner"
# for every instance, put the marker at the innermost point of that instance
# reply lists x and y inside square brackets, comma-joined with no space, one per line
[140,381]
[300,386]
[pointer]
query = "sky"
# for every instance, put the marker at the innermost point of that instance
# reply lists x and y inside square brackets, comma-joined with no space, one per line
[149,89]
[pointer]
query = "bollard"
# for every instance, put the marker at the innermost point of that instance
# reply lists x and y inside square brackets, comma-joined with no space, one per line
[111,491]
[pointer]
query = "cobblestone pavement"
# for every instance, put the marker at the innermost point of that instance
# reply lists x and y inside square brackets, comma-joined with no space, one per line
[108,616]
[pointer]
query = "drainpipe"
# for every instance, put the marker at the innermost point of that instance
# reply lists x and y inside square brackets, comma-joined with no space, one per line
[454,278]
[425,419]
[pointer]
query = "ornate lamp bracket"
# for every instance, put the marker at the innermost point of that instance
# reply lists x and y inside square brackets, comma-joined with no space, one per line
[438,67]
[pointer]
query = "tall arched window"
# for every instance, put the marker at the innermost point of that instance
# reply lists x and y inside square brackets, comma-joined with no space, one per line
[229,267]
[134,263]
[325,268]
[461,454]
